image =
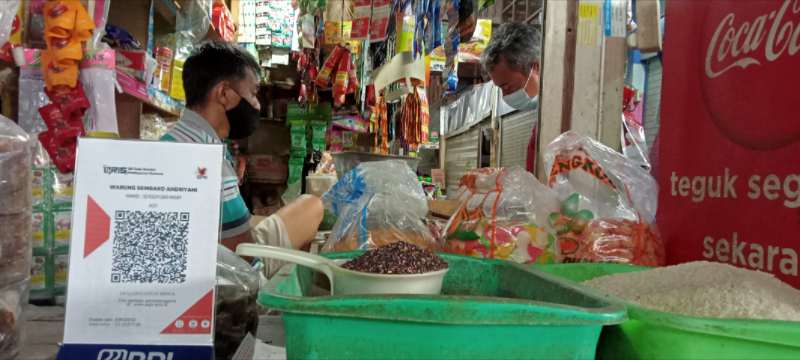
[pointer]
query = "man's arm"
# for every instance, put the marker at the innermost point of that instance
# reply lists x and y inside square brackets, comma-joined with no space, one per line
[301,219]
[232,242]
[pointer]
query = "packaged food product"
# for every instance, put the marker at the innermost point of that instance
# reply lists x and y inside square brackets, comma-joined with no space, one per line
[62,221]
[503,214]
[38,230]
[378,203]
[15,197]
[608,204]
[38,273]
[61,265]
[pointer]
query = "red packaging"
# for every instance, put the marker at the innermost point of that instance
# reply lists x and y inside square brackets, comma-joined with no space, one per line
[72,101]
[324,76]
[132,63]
[61,146]
[352,81]
[340,83]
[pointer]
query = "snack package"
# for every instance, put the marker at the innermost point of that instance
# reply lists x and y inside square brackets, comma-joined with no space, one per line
[236,306]
[503,215]
[608,204]
[378,203]
[12,298]
[15,197]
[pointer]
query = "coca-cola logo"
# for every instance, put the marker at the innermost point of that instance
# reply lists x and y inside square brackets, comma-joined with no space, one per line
[750,70]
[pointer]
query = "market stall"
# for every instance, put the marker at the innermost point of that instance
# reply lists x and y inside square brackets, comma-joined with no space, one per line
[453,178]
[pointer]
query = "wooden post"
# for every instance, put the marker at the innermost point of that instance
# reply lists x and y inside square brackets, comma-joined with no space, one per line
[583,75]
[557,74]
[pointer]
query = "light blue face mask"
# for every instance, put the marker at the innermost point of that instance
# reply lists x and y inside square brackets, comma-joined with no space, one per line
[520,99]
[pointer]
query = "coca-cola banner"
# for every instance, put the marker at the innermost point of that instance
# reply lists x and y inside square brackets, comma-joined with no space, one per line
[729,146]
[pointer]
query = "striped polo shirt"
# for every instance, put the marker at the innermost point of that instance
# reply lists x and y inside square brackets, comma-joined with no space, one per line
[192,128]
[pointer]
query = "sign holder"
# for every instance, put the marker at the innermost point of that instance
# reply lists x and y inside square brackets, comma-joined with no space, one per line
[144,244]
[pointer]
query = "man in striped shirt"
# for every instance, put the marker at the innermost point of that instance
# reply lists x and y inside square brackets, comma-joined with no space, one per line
[221,85]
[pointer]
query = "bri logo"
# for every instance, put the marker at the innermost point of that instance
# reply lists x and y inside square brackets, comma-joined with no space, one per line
[201,172]
[122,354]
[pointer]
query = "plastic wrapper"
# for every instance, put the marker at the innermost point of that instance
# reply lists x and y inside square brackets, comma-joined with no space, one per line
[378,203]
[12,298]
[503,215]
[15,197]
[152,127]
[236,303]
[8,10]
[98,79]
[31,98]
[608,204]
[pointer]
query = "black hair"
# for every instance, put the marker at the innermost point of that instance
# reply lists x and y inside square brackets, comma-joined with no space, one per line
[212,62]
[465,9]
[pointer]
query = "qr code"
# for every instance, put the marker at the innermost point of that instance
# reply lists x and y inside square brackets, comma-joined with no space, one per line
[149,247]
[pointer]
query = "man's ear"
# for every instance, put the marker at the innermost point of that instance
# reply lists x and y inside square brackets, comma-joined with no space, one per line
[218,94]
[537,68]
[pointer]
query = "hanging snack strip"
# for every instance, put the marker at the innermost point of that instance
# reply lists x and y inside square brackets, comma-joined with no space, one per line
[338,67]
[411,120]
[67,26]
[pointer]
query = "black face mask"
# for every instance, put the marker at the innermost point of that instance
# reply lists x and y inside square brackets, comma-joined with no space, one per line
[244,119]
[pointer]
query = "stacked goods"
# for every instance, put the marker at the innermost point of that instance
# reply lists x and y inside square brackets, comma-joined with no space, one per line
[503,215]
[608,204]
[705,289]
[15,222]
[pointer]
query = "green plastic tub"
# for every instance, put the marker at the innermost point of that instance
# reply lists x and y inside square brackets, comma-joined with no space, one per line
[489,310]
[650,334]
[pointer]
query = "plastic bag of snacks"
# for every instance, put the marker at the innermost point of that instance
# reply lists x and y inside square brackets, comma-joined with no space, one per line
[503,214]
[236,305]
[608,204]
[378,203]
[15,202]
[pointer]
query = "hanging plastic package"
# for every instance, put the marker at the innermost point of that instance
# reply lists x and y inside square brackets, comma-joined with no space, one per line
[379,24]
[31,93]
[378,203]
[451,41]
[634,145]
[98,79]
[608,204]
[503,215]
[98,11]
[16,234]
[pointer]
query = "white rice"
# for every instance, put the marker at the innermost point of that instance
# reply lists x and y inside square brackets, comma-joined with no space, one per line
[705,289]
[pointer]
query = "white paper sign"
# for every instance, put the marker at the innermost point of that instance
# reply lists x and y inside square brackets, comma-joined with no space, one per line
[144,243]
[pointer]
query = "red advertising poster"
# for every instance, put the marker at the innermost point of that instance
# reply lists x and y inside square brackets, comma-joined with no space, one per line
[729,153]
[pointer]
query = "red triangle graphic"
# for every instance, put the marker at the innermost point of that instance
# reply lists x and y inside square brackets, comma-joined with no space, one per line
[98,226]
[196,320]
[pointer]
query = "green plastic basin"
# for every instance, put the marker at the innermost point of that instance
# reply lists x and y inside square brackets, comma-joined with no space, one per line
[650,334]
[489,309]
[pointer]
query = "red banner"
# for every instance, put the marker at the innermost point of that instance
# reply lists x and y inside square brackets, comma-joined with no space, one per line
[729,153]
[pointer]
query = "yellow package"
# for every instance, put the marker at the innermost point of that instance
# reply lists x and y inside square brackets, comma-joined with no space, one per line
[176,85]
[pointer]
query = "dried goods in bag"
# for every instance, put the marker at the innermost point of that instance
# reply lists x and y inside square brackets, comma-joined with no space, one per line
[378,203]
[503,215]
[608,204]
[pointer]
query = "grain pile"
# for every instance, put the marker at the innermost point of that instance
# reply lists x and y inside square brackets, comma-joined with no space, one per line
[705,289]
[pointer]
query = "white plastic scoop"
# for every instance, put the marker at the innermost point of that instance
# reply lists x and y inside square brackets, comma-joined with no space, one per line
[349,282]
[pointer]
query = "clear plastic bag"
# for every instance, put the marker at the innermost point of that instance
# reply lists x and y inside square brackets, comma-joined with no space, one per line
[12,298]
[15,197]
[236,302]
[608,204]
[503,214]
[378,203]
[8,10]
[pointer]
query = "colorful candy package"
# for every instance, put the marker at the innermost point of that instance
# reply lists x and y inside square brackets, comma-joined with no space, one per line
[503,215]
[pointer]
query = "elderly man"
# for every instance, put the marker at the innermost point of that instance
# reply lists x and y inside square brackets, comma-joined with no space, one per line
[512,61]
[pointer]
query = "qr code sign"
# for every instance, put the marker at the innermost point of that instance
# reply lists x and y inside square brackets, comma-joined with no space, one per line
[149,247]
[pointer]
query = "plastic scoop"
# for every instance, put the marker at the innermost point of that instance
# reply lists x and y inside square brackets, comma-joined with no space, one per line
[349,282]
